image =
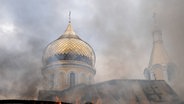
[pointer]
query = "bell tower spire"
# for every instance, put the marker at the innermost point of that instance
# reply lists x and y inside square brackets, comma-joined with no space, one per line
[159,60]
[159,54]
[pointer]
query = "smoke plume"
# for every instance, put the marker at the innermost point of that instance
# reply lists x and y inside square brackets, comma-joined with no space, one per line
[120,33]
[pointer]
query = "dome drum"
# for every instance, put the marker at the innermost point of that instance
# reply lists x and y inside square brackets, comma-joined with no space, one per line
[68,65]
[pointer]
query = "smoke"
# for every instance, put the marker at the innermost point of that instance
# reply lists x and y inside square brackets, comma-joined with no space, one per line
[23,37]
[119,31]
[125,27]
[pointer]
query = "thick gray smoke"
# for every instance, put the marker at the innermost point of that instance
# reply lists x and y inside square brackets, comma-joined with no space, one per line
[119,31]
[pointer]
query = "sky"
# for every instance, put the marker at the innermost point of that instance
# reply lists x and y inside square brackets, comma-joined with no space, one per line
[120,33]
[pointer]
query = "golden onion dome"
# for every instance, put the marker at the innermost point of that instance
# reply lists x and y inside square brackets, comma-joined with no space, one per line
[69,47]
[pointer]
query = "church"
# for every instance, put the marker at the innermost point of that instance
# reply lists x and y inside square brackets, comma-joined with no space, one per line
[69,70]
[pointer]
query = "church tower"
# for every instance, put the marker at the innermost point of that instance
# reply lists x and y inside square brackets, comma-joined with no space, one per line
[68,61]
[160,66]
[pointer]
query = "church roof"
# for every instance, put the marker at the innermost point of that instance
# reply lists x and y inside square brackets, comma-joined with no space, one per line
[69,44]
[118,92]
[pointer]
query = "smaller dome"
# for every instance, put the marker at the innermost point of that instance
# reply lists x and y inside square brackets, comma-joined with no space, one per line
[69,47]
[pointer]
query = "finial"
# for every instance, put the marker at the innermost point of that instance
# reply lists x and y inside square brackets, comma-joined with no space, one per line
[155,13]
[69,30]
[157,33]
[155,17]
[69,16]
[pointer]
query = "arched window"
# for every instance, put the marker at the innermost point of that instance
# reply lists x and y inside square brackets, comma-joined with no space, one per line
[90,80]
[72,79]
[51,80]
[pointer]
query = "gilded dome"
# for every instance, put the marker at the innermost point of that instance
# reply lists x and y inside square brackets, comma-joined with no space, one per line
[69,47]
